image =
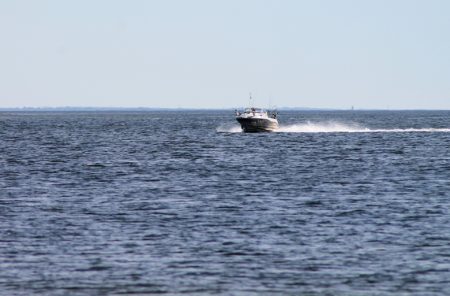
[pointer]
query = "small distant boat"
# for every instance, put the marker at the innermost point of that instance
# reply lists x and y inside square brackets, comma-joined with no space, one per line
[255,120]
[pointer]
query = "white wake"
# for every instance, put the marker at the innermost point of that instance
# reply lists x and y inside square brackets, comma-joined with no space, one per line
[229,128]
[336,127]
[332,127]
[321,127]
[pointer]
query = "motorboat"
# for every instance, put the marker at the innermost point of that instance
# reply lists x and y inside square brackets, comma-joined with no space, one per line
[255,120]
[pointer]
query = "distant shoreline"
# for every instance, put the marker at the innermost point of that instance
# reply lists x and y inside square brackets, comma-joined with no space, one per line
[150,109]
[145,109]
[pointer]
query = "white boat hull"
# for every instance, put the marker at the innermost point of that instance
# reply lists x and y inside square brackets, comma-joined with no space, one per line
[254,125]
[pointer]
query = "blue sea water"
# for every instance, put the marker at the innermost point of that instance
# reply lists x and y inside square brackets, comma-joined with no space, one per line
[120,203]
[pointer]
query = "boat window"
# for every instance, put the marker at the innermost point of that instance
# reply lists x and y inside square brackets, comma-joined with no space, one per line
[256,110]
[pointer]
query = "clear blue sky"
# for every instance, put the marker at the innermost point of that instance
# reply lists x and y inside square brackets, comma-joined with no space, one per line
[211,53]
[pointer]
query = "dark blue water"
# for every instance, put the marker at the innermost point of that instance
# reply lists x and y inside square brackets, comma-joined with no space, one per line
[336,203]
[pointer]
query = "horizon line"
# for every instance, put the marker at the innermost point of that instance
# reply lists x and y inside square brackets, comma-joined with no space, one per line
[285,108]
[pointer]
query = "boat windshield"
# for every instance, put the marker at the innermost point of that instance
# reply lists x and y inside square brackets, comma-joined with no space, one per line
[256,110]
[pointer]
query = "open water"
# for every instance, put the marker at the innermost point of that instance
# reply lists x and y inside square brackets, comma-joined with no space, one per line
[120,203]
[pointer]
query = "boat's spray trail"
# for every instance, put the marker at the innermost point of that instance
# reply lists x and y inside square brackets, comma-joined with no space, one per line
[337,127]
[331,127]
[409,130]
[229,128]
[321,127]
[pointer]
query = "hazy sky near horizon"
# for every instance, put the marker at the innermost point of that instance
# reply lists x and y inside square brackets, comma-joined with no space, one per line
[204,53]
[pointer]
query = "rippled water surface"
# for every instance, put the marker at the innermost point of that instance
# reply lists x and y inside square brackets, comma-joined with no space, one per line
[335,203]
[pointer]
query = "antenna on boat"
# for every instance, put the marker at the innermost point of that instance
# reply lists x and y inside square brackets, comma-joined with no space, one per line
[270,106]
[250,101]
